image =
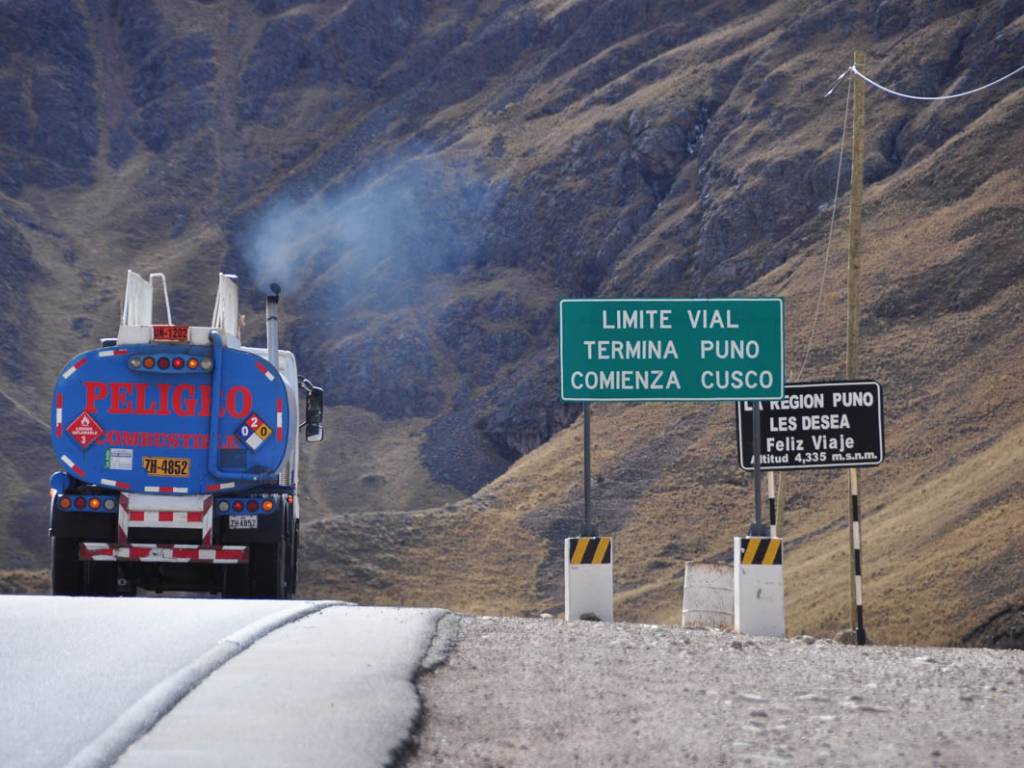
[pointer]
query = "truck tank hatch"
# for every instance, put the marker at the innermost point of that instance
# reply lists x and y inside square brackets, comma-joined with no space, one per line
[171,418]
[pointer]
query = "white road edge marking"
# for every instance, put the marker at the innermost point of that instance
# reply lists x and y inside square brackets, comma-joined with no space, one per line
[161,698]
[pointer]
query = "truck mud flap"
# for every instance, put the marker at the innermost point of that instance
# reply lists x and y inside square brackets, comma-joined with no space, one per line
[83,525]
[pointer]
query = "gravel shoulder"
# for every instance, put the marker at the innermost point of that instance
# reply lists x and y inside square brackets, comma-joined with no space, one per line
[539,692]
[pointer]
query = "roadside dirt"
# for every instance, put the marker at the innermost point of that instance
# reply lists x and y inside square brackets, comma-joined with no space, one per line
[539,692]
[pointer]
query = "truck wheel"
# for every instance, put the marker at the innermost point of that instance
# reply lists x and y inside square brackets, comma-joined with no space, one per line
[266,570]
[293,564]
[67,576]
[290,551]
[236,581]
[101,579]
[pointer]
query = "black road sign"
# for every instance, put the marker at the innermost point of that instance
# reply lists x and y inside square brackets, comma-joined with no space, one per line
[814,426]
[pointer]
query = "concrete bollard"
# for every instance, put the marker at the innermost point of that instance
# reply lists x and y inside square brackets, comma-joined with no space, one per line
[758,589]
[588,578]
[707,595]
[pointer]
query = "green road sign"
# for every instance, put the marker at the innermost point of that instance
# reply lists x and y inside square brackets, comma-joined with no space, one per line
[672,349]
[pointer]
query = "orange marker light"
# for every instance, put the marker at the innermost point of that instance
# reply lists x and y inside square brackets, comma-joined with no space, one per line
[94,503]
[193,363]
[268,505]
[65,503]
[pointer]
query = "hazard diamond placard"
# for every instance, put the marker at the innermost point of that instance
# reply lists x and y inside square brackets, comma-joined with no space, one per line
[84,430]
[254,432]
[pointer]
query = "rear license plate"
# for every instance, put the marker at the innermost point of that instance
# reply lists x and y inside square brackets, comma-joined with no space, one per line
[170,333]
[157,466]
[242,521]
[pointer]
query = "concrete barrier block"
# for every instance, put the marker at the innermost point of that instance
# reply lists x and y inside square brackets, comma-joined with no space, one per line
[708,595]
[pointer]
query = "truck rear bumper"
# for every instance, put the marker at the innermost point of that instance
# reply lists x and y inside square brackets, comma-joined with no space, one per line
[163,553]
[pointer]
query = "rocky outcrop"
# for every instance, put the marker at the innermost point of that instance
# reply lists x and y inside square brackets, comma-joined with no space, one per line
[488,430]
[19,271]
[48,125]
[171,78]
[354,48]
[393,373]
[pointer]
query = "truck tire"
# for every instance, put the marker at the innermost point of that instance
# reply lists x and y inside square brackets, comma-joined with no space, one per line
[67,576]
[291,531]
[101,579]
[267,570]
[293,560]
[236,581]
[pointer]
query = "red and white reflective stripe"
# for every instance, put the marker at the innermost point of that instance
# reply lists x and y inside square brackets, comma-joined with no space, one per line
[164,489]
[72,466]
[207,519]
[96,552]
[265,371]
[167,553]
[112,352]
[74,368]
[115,484]
[220,486]
[60,413]
[280,421]
[122,520]
[171,519]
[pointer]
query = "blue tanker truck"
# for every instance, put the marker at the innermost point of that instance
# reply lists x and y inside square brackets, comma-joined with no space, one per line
[179,449]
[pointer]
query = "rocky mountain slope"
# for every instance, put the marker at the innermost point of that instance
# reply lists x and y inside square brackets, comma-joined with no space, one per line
[426,179]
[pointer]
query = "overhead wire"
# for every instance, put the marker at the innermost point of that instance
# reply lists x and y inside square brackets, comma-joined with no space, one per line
[828,244]
[852,69]
[945,97]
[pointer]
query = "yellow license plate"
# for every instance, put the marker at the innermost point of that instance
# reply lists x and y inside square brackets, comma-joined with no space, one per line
[156,466]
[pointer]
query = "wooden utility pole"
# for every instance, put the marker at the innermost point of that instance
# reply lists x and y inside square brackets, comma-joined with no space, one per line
[773,510]
[780,500]
[853,337]
[856,198]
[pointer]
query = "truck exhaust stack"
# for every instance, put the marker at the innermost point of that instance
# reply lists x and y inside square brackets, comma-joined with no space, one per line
[272,299]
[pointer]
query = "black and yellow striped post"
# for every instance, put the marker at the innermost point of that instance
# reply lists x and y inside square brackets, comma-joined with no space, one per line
[760,551]
[588,578]
[590,550]
[758,590]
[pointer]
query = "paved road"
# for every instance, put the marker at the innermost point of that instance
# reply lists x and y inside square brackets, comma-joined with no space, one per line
[81,679]
[335,688]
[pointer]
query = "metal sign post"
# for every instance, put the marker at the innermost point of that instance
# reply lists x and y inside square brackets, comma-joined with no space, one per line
[757,529]
[588,562]
[589,528]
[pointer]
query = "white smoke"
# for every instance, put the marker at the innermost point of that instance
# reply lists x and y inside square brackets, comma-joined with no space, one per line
[405,219]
